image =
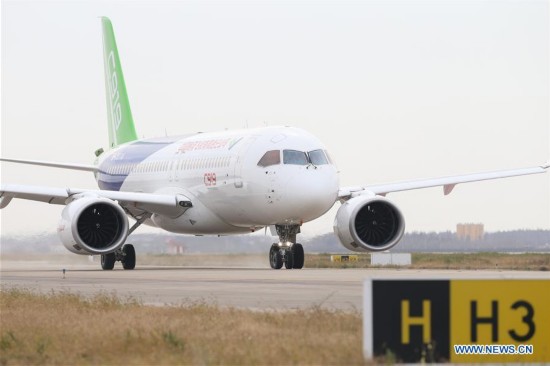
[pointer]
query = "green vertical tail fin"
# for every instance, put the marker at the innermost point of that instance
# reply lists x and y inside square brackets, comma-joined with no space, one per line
[121,123]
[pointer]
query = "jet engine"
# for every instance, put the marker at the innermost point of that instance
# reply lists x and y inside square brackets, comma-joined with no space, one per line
[369,224]
[93,225]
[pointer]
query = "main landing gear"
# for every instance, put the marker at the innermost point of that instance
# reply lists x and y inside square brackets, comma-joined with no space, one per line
[126,255]
[287,251]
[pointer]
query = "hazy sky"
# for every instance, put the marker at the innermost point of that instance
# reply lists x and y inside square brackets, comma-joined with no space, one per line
[397,90]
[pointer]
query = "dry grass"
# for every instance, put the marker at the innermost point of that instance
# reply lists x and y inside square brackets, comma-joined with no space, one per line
[523,261]
[66,329]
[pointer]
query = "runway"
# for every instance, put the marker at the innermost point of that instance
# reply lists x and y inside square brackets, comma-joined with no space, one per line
[251,288]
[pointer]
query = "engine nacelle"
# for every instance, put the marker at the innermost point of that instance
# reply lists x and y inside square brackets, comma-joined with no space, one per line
[369,224]
[93,225]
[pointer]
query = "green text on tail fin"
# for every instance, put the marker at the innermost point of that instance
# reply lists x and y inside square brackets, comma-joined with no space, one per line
[121,123]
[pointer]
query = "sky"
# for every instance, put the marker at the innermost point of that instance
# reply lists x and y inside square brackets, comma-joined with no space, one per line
[397,90]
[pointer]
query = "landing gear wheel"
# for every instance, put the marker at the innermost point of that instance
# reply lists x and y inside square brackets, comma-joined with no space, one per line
[108,261]
[275,257]
[129,258]
[289,259]
[297,256]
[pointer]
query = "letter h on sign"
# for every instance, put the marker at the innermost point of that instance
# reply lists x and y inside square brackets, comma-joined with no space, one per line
[475,320]
[424,321]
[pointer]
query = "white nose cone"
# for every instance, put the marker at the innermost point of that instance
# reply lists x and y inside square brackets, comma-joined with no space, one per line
[310,194]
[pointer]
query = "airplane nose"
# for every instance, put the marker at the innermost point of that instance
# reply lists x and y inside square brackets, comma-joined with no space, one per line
[311,194]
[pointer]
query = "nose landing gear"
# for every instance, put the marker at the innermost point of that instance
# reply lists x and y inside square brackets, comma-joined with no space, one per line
[287,251]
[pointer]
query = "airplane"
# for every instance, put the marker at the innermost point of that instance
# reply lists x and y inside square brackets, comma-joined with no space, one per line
[218,183]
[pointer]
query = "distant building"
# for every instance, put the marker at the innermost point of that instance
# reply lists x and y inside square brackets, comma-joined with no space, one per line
[470,231]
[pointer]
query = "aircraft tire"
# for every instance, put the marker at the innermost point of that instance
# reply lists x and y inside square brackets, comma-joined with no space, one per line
[289,259]
[298,256]
[108,261]
[129,259]
[275,257]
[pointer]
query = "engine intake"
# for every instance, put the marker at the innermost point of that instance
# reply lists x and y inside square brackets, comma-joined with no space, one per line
[93,225]
[369,224]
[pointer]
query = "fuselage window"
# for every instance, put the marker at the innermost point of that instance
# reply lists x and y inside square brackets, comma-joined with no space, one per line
[294,157]
[272,157]
[317,157]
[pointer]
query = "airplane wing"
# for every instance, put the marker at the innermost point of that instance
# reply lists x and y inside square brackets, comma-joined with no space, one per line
[85,167]
[448,183]
[168,204]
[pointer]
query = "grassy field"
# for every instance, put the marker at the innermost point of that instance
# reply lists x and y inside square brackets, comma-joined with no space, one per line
[65,329]
[524,261]
[472,261]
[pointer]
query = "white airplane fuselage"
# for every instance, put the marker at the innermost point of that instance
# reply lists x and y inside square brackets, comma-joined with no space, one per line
[221,174]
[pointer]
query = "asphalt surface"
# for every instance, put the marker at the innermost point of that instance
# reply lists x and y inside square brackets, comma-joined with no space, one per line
[251,288]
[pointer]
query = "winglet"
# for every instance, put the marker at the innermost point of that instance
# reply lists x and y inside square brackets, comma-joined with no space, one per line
[546,165]
[121,122]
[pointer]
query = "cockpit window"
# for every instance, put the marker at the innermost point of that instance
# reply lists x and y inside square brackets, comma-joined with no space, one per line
[272,157]
[317,157]
[295,157]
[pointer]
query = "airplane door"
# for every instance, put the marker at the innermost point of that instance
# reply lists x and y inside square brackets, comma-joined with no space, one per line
[273,193]
[238,172]
[176,167]
[240,156]
[172,166]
